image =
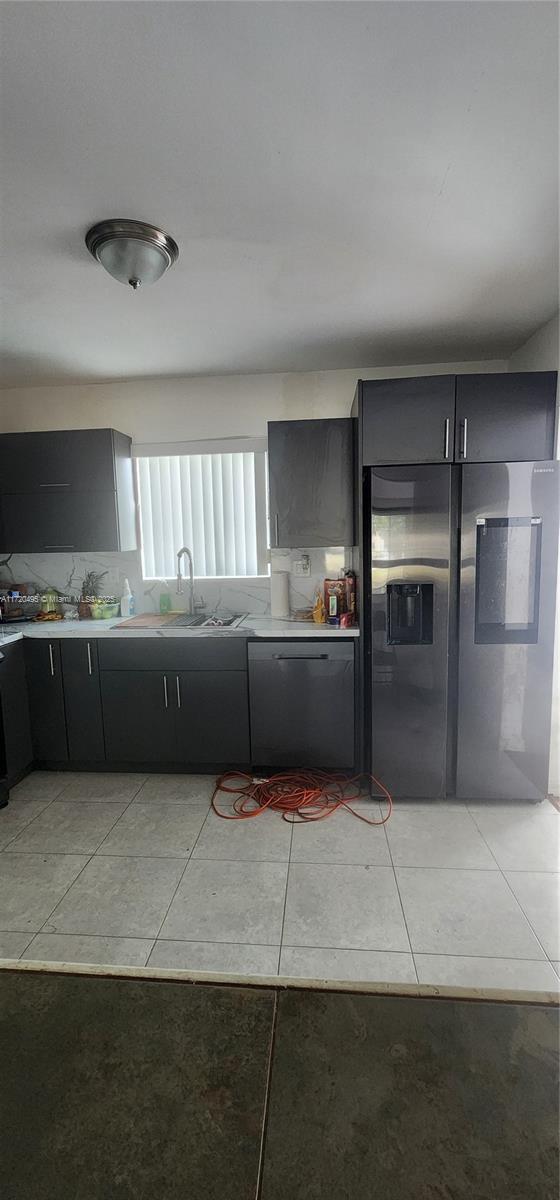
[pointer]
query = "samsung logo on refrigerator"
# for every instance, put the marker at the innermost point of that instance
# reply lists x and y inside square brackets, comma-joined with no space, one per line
[544,470]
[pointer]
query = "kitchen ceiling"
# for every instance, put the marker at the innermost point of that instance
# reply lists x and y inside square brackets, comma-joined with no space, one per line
[349,183]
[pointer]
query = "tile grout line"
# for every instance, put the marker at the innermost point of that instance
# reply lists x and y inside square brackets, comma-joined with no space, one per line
[57,799]
[285,897]
[270,945]
[508,885]
[30,822]
[179,882]
[65,893]
[266,1105]
[400,900]
[280,861]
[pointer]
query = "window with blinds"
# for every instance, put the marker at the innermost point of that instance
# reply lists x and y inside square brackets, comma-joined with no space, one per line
[214,503]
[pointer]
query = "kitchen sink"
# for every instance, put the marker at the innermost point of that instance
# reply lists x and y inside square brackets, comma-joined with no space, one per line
[202,621]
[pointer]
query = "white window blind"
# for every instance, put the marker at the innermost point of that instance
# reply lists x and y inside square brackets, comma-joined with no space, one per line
[213,503]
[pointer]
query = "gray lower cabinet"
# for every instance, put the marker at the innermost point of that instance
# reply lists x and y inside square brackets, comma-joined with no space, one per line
[43,664]
[82,699]
[310,468]
[191,718]
[302,704]
[212,717]
[138,716]
[16,755]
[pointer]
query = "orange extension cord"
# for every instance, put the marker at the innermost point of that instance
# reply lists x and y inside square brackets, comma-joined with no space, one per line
[297,795]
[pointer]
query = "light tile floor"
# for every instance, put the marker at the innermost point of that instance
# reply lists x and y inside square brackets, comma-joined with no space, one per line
[124,869]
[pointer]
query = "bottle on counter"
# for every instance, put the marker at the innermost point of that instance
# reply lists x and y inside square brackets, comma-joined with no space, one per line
[319,608]
[127,601]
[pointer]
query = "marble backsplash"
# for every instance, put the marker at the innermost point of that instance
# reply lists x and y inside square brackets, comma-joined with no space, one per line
[65,572]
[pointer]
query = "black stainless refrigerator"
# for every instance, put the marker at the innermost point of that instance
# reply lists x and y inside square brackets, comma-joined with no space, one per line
[463,585]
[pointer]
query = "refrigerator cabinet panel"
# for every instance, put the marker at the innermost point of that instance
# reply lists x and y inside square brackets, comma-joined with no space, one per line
[410,579]
[509,546]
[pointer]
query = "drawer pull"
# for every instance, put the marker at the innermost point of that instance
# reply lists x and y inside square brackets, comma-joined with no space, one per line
[54,485]
[61,547]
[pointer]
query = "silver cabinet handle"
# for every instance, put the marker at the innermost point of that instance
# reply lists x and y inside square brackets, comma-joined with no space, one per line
[51,659]
[463,445]
[54,485]
[276,536]
[178,685]
[446,439]
[165,696]
[90,671]
[67,546]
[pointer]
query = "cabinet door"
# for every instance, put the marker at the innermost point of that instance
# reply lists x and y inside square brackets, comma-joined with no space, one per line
[83,521]
[310,474]
[46,699]
[212,717]
[57,461]
[82,697]
[302,704]
[505,418]
[138,716]
[408,420]
[14,713]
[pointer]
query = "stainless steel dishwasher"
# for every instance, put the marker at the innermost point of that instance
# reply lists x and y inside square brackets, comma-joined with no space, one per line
[302,703]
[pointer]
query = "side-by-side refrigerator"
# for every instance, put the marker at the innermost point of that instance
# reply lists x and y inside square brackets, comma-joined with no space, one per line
[463,585]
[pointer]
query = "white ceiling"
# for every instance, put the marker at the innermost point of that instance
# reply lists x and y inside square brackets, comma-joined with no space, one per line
[349,183]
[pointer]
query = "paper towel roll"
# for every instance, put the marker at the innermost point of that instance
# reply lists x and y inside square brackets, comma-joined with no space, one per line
[279,594]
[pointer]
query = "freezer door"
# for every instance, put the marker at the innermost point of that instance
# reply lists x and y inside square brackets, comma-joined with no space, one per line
[509,546]
[410,563]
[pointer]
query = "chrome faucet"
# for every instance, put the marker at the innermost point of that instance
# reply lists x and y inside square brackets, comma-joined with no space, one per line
[185,550]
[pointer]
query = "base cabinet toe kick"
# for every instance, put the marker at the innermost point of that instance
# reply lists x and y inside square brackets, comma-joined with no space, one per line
[198,704]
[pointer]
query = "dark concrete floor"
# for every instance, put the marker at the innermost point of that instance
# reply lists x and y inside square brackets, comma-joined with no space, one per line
[131,1089]
[404,1098]
[114,1089]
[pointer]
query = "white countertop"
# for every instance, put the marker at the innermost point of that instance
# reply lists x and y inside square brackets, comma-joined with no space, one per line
[263,627]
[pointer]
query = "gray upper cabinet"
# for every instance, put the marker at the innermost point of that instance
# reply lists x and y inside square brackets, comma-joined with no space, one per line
[505,418]
[466,418]
[310,466]
[81,521]
[79,460]
[69,489]
[407,420]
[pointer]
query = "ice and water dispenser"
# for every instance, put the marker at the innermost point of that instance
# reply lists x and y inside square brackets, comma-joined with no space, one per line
[410,614]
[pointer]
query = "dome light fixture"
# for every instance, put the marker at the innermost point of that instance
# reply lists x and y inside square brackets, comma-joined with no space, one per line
[131,251]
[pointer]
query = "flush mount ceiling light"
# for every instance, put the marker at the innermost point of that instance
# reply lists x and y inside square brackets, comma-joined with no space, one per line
[131,251]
